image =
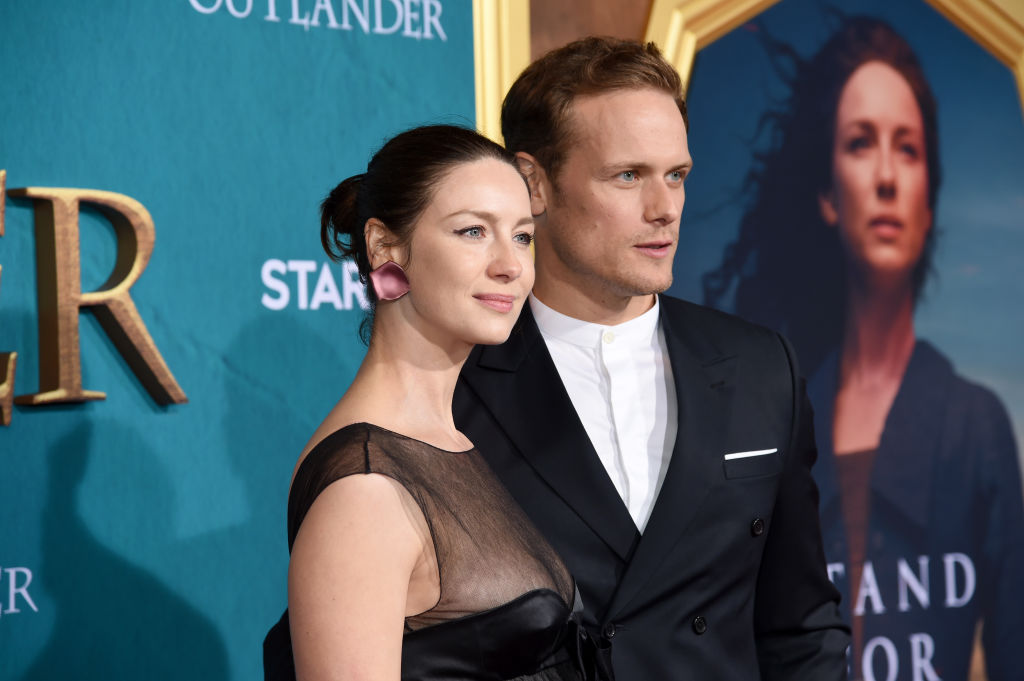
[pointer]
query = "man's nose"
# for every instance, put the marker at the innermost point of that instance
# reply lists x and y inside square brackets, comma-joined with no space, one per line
[663,204]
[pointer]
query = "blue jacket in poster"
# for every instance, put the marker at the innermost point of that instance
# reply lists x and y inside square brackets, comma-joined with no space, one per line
[945,542]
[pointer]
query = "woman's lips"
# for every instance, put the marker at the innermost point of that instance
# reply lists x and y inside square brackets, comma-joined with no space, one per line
[655,249]
[886,222]
[886,225]
[496,301]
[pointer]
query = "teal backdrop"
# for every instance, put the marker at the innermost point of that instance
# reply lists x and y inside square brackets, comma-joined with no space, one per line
[141,541]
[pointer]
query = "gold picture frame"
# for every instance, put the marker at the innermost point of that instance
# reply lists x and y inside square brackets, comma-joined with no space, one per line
[501,38]
[682,27]
[501,49]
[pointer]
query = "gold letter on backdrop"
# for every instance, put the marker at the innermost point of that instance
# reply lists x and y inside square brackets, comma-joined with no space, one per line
[8,360]
[60,294]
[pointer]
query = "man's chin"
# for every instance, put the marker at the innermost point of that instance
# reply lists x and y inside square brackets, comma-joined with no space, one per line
[647,287]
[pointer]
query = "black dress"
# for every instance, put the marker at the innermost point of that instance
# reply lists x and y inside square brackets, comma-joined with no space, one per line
[508,607]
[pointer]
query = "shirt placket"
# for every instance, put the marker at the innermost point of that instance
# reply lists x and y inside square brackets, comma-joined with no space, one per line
[615,358]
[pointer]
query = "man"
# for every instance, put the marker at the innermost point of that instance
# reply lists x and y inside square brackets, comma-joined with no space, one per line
[663,448]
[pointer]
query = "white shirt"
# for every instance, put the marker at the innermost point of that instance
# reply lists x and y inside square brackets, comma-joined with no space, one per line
[620,381]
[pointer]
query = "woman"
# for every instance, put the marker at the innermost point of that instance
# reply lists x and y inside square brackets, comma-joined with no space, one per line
[408,558]
[920,483]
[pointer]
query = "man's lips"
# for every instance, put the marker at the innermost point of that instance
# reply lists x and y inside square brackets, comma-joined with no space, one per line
[655,249]
[496,301]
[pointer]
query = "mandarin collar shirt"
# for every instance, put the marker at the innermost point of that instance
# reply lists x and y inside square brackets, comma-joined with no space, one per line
[619,379]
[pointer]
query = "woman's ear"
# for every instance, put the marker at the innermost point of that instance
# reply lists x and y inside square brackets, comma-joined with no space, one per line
[827,207]
[379,243]
[536,180]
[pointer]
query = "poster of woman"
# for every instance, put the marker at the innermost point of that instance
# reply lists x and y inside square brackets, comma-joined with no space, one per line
[881,244]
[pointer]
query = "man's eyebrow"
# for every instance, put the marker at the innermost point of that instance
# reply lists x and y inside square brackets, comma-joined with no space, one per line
[643,166]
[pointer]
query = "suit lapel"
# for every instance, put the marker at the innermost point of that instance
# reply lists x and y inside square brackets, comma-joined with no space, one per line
[704,382]
[821,390]
[519,385]
[902,473]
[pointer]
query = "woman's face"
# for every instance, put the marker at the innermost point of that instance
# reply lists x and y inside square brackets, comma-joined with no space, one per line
[469,262]
[879,195]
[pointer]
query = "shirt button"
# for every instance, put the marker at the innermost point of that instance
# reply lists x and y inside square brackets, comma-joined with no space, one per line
[699,625]
[757,527]
[608,337]
[609,630]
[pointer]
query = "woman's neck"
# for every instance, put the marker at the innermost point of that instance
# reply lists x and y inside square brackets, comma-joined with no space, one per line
[878,336]
[406,383]
[877,343]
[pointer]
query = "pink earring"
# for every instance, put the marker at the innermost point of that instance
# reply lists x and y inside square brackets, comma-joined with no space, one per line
[389,281]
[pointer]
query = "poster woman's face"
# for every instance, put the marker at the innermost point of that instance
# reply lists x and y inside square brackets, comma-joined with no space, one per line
[879,194]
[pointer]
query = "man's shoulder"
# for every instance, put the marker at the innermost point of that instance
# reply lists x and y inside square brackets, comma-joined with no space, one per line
[714,326]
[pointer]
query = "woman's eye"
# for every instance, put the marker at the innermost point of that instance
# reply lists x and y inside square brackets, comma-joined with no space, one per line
[524,238]
[472,232]
[858,143]
[910,151]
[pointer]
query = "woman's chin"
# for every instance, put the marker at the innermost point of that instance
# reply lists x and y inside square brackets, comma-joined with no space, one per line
[492,336]
[887,274]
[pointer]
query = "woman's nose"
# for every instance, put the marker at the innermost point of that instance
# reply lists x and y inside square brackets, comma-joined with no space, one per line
[885,180]
[505,262]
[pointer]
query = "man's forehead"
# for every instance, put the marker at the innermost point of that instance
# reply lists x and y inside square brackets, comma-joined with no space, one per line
[620,121]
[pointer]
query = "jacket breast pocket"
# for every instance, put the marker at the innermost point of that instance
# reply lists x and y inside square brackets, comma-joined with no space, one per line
[769,463]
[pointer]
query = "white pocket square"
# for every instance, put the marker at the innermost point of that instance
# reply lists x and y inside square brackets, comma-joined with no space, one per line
[755,452]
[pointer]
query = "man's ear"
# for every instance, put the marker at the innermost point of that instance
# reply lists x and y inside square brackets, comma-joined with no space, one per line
[536,180]
[827,207]
[380,244]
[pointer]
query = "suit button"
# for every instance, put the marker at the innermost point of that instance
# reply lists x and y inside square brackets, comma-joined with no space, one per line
[757,527]
[609,630]
[699,625]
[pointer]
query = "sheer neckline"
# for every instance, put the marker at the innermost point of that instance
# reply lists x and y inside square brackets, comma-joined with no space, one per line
[385,431]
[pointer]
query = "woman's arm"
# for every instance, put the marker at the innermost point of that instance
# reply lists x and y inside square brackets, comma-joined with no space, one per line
[361,562]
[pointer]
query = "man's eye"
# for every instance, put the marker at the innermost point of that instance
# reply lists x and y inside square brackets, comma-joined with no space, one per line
[627,175]
[676,176]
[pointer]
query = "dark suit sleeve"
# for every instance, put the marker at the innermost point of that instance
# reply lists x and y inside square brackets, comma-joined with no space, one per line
[799,632]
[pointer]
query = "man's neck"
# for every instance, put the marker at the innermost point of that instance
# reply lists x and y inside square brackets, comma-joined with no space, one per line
[594,306]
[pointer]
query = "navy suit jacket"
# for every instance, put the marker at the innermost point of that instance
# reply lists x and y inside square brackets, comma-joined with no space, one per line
[728,579]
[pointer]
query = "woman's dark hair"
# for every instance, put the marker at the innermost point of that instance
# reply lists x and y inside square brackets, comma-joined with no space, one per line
[786,263]
[397,186]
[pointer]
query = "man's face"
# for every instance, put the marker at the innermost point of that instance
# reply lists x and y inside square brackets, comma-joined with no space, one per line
[611,215]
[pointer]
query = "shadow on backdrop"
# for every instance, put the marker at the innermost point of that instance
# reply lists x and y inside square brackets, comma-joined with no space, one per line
[114,620]
[279,381]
